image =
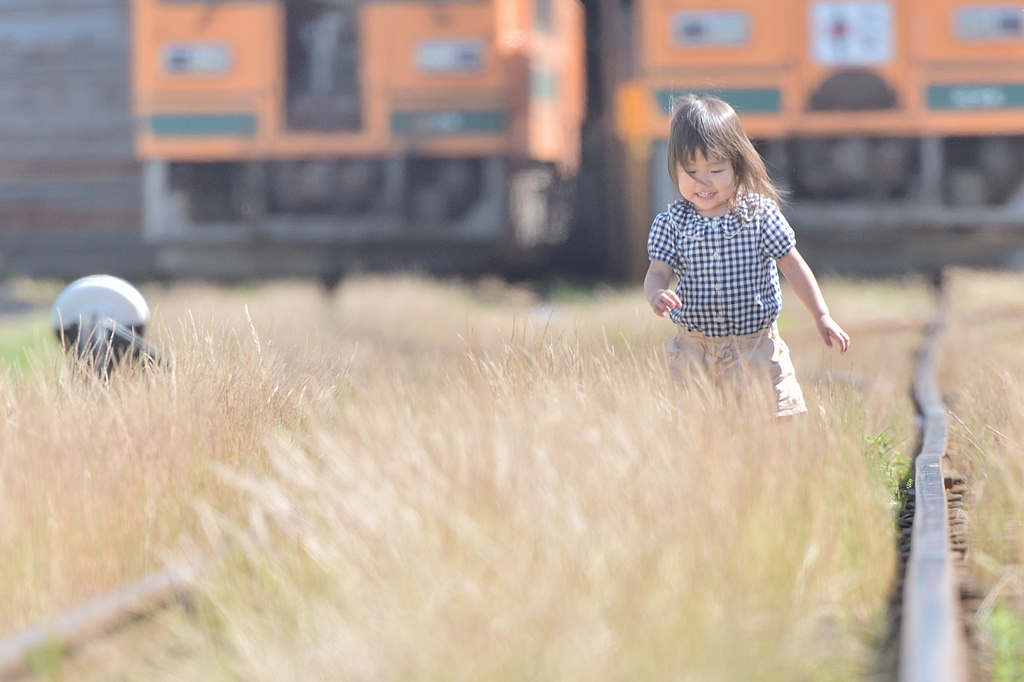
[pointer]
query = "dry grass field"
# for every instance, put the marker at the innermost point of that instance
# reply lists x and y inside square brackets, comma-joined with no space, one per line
[982,370]
[444,481]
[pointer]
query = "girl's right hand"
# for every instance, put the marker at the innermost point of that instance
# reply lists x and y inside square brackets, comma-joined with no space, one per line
[665,301]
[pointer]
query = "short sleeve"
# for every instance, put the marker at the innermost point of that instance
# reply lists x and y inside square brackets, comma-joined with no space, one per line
[777,237]
[660,242]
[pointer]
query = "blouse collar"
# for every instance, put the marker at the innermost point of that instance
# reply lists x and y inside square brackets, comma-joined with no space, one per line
[692,224]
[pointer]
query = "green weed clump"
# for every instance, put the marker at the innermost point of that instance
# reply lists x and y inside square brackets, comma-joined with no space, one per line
[892,465]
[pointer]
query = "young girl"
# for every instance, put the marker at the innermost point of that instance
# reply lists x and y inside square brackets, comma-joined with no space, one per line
[722,242]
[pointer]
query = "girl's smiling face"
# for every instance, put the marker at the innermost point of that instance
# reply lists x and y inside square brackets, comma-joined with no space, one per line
[709,184]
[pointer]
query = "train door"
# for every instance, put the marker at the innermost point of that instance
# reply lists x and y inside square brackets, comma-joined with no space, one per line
[858,73]
[322,65]
[856,55]
[741,54]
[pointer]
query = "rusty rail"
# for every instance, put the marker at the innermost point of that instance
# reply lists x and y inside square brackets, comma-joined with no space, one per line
[932,647]
[95,617]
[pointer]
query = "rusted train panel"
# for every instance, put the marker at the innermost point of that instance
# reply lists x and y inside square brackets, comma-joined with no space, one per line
[307,136]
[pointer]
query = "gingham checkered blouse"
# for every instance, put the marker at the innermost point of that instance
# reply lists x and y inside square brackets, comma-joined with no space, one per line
[728,281]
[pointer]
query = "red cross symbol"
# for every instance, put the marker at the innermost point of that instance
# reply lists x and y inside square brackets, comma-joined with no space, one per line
[840,29]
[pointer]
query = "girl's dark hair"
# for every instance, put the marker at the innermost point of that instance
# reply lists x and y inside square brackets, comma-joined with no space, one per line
[710,127]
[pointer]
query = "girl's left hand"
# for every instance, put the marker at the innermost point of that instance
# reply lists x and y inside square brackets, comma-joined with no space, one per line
[829,330]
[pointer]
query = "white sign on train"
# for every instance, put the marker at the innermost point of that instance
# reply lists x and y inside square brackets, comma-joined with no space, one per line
[705,29]
[989,22]
[196,59]
[852,33]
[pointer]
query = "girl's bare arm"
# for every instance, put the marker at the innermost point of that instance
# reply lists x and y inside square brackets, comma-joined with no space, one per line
[656,288]
[806,288]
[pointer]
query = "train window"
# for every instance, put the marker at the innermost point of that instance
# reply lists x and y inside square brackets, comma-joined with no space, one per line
[711,29]
[196,59]
[989,22]
[450,56]
[852,33]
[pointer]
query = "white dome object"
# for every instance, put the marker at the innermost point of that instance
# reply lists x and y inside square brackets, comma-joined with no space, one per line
[99,297]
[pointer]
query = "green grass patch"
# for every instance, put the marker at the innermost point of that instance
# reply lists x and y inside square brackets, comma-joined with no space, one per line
[1007,627]
[24,338]
[45,659]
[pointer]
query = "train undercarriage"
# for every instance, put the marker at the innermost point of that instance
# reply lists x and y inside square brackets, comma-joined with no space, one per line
[330,217]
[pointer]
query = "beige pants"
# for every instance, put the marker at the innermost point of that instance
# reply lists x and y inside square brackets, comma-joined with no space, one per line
[739,359]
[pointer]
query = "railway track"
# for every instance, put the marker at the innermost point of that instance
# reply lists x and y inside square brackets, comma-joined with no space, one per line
[96,617]
[932,646]
[932,642]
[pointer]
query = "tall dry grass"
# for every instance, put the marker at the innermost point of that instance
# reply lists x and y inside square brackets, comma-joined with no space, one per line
[98,481]
[983,376]
[432,481]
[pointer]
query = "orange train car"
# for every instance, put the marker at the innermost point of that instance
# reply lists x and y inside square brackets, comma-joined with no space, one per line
[308,137]
[884,115]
